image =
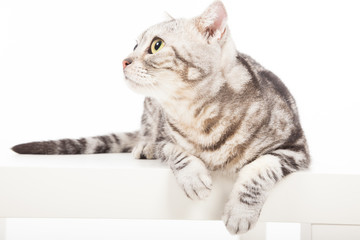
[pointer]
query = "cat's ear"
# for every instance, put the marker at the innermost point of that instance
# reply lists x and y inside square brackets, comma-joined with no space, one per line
[168,17]
[212,22]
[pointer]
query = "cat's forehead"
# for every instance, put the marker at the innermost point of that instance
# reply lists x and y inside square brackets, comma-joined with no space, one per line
[160,29]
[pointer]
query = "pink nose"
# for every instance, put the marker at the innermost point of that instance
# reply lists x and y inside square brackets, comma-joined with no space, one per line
[126,62]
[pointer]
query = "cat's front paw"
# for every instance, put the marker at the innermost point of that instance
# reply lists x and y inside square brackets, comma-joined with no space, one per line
[196,182]
[144,150]
[240,217]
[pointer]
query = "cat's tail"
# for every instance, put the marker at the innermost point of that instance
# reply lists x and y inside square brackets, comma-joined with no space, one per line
[112,143]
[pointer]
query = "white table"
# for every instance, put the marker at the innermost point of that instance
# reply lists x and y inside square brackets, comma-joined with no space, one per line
[117,186]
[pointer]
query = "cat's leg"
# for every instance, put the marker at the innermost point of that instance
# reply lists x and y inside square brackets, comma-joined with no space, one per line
[144,150]
[254,182]
[150,131]
[190,171]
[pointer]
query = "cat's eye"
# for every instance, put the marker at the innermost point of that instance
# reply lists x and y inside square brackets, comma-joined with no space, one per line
[135,47]
[156,45]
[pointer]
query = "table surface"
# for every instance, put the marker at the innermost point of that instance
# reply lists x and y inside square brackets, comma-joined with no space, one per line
[122,187]
[112,160]
[119,160]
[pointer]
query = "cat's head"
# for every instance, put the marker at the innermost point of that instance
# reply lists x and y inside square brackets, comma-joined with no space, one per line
[173,58]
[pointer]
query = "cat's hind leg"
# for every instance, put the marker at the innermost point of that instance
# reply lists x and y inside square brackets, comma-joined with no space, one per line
[144,150]
[255,180]
[190,171]
[151,131]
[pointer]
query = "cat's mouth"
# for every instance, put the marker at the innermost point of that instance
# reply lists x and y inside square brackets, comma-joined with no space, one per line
[139,85]
[136,79]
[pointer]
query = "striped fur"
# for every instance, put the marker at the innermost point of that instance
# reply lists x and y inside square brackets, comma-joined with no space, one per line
[207,108]
[113,143]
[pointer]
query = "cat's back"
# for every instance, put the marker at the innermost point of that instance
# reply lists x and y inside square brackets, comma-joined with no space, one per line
[272,88]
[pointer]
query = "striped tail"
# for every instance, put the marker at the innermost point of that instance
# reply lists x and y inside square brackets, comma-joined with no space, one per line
[113,143]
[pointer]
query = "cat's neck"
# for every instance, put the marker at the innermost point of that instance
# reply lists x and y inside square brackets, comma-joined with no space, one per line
[184,111]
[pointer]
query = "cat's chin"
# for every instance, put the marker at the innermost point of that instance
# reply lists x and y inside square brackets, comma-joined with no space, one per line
[137,88]
[132,84]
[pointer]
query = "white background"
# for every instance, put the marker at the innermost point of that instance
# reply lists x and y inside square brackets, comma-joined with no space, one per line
[61,73]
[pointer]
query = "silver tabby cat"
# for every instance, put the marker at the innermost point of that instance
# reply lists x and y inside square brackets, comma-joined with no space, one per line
[207,108]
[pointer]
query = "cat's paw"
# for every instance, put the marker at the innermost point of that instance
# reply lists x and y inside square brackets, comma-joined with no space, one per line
[239,217]
[144,150]
[195,181]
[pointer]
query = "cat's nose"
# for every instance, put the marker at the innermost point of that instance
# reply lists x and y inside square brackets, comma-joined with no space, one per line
[126,62]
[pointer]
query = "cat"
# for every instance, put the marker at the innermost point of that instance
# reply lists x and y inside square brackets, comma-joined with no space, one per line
[207,108]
